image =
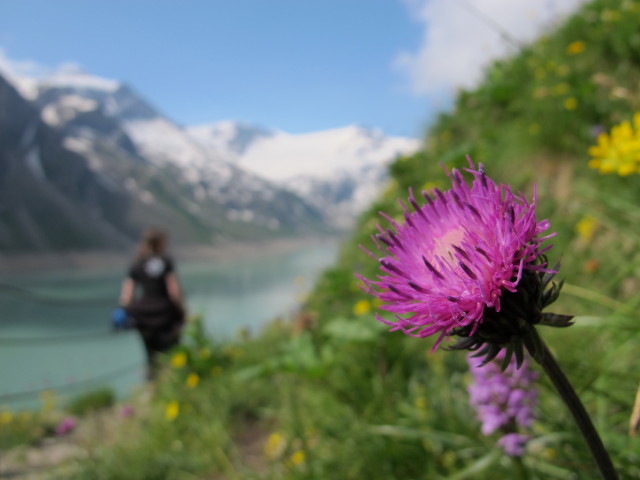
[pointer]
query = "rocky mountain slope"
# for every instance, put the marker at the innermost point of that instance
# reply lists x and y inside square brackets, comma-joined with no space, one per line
[116,165]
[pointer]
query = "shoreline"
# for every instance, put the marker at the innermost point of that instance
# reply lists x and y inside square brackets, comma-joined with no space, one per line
[20,263]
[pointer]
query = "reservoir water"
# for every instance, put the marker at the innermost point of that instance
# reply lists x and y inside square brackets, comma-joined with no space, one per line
[55,326]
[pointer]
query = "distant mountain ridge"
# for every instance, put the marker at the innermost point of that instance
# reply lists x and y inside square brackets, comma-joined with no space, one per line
[115,165]
[339,171]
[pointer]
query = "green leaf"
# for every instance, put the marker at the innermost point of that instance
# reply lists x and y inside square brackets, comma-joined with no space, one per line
[414,433]
[556,320]
[480,465]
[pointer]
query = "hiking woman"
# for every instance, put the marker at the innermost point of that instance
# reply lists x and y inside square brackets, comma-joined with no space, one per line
[152,297]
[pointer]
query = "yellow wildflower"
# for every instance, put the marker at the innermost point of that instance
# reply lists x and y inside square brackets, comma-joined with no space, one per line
[275,446]
[420,402]
[6,417]
[610,15]
[236,352]
[586,227]
[574,48]
[570,103]
[618,151]
[449,459]
[560,89]
[296,459]
[178,360]
[172,410]
[192,380]
[362,307]
[233,351]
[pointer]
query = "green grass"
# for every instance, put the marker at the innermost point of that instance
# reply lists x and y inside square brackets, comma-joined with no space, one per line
[334,395]
[91,402]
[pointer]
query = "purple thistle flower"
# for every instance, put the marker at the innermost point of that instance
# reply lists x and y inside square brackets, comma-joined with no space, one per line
[66,426]
[504,400]
[468,262]
[127,411]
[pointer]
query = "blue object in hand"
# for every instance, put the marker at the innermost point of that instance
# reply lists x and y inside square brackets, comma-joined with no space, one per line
[120,319]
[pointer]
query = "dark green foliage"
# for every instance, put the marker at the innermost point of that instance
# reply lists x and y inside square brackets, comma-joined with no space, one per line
[91,402]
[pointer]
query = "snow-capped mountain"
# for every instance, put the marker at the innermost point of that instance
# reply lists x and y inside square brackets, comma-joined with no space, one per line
[340,171]
[228,139]
[115,164]
[157,173]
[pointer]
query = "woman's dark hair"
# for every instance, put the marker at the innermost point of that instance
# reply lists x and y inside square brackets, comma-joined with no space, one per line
[153,242]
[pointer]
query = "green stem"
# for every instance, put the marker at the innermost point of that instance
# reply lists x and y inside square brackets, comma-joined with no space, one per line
[299,428]
[521,468]
[580,415]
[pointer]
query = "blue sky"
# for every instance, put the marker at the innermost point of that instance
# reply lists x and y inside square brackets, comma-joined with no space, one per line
[296,65]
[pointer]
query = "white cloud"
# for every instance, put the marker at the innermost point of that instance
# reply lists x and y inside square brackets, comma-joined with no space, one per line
[462,36]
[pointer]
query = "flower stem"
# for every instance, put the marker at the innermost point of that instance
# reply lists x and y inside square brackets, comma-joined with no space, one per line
[521,468]
[580,415]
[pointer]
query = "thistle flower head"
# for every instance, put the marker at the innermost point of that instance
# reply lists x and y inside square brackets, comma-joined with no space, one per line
[467,262]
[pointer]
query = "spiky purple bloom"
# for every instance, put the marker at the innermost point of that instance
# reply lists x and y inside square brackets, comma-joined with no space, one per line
[504,401]
[451,264]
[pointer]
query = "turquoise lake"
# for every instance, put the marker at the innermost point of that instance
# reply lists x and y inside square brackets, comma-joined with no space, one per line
[55,326]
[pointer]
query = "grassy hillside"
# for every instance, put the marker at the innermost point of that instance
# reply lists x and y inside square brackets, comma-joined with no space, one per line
[333,395]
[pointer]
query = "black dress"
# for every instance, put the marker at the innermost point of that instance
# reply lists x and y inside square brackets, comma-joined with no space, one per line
[155,315]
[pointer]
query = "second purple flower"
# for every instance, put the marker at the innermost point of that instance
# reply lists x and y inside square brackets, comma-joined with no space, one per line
[504,401]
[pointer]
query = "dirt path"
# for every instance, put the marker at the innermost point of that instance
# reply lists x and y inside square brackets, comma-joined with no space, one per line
[53,455]
[41,461]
